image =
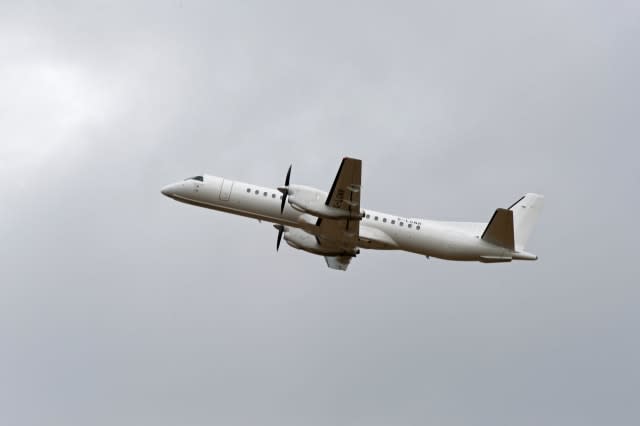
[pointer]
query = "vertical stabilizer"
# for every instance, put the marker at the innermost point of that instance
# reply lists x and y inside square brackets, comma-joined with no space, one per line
[499,230]
[525,215]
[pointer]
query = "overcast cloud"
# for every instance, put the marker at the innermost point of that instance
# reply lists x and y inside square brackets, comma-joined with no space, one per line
[119,306]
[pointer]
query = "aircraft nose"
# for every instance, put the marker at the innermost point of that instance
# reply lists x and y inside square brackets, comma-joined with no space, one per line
[168,190]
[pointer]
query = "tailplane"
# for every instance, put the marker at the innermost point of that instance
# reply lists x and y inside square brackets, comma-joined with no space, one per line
[526,212]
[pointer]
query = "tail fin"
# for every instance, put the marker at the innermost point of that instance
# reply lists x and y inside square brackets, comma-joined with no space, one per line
[499,231]
[525,215]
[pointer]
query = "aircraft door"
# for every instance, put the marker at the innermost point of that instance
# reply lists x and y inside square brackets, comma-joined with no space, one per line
[225,189]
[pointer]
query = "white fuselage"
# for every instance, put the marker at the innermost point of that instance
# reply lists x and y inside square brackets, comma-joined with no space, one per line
[446,240]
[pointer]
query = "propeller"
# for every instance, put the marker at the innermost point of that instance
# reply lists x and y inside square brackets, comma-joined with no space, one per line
[280,229]
[285,190]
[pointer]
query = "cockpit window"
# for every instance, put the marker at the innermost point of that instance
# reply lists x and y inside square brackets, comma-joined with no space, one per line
[196,178]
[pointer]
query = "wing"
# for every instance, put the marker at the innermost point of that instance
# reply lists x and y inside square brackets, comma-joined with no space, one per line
[338,262]
[345,195]
[345,191]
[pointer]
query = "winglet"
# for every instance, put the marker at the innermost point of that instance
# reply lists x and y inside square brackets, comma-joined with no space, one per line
[499,231]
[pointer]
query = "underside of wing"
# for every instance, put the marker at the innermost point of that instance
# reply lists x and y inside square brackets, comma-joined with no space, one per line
[344,195]
[338,262]
[345,191]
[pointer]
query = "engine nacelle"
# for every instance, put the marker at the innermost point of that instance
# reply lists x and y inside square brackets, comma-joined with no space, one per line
[301,240]
[312,201]
[322,210]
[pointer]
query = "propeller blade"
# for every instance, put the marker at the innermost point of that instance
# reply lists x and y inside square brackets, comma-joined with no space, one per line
[285,190]
[286,180]
[284,199]
[279,239]
[280,229]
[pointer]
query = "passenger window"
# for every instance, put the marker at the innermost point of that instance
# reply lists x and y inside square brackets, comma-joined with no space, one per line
[257,192]
[265,193]
[368,216]
[248,189]
[401,224]
[393,222]
[418,228]
[384,220]
[375,218]
[409,226]
[273,195]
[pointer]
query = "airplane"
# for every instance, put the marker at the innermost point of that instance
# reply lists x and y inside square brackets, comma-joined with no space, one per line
[335,225]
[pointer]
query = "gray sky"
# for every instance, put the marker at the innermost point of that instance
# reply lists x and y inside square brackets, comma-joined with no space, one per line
[120,306]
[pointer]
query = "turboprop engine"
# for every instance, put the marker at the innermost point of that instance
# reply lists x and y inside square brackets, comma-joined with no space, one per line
[311,201]
[320,209]
[301,240]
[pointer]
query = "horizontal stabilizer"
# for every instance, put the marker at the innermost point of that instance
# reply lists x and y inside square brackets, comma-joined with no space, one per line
[499,231]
